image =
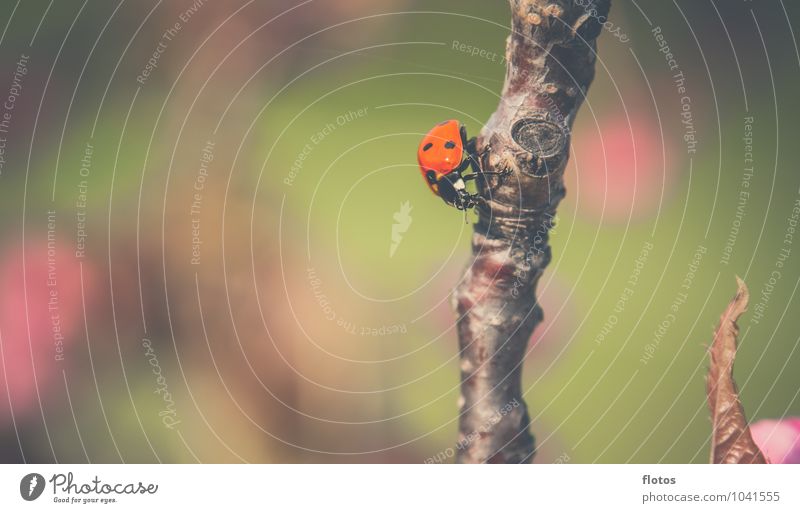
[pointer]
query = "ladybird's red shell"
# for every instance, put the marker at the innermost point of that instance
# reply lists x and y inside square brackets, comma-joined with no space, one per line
[440,152]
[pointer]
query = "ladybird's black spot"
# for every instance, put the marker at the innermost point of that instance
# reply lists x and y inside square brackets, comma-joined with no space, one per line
[427,147]
[431,176]
[449,145]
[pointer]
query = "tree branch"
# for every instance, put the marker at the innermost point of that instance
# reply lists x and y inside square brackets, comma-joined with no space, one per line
[731,441]
[550,63]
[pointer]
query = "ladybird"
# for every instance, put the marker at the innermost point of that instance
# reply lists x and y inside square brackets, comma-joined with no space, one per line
[443,155]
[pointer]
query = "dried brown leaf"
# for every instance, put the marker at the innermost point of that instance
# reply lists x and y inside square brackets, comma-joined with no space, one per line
[731,441]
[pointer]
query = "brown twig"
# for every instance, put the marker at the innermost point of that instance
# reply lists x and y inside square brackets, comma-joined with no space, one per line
[731,441]
[550,64]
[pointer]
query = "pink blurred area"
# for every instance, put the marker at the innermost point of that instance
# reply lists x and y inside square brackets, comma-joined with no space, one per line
[618,168]
[779,440]
[40,313]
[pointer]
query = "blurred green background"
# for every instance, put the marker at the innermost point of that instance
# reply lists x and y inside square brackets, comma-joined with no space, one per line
[282,137]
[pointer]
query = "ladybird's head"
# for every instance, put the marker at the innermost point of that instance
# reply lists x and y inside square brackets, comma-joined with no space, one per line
[453,191]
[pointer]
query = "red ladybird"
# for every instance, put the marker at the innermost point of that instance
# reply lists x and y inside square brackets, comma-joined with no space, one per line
[443,155]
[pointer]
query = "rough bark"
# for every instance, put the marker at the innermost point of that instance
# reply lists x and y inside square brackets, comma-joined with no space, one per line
[550,58]
[731,441]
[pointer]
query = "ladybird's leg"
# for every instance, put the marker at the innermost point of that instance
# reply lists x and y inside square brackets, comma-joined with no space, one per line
[472,200]
[478,171]
[471,158]
[464,165]
[483,173]
[471,147]
[489,173]
[475,163]
[475,158]
[464,201]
